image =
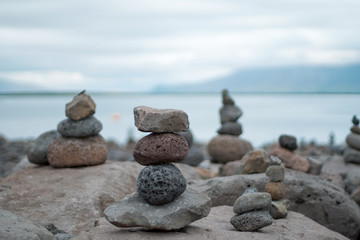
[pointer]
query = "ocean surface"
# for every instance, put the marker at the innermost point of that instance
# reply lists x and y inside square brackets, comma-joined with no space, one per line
[265,116]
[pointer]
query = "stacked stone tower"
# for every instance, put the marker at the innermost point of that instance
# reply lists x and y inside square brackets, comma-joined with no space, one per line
[352,152]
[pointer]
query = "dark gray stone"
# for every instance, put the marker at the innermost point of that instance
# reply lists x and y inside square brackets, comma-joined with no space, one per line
[352,180]
[188,136]
[231,128]
[83,128]
[276,173]
[194,157]
[288,142]
[353,140]
[160,184]
[351,155]
[274,160]
[251,221]
[230,113]
[38,148]
[226,99]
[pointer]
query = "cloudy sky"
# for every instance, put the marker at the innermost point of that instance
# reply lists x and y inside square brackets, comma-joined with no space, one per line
[136,45]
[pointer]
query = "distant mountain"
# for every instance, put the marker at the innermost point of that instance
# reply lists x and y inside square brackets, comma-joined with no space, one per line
[324,79]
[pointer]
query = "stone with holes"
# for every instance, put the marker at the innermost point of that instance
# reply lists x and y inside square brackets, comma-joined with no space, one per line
[251,221]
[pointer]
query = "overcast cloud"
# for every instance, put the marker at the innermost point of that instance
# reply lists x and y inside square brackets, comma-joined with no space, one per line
[135,45]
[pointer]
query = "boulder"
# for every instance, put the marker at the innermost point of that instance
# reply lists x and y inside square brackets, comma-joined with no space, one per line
[217,226]
[291,160]
[37,149]
[308,194]
[149,119]
[83,128]
[76,152]
[227,148]
[82,106]
[13,227]
[133,211]
[353,140]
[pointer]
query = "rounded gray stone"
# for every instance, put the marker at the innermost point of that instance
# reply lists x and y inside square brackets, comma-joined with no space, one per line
[160,184]
[276,173]
[230,113]
[194,157]
[288,142]
[251,221]
[351,155]
[188,136]
[37,149]
[252,201]
[231,128]
[278,209]
[352,180]
[83,128]
[353,140]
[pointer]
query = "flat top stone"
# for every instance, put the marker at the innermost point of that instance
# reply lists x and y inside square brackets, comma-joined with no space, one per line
[149,119]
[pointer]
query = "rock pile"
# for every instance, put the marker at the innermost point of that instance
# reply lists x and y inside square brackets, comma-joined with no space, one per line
[276,188]
[251,210]
[352,152]
[227,146]
[195,156]
[162,200]
[80,143]
[286,153]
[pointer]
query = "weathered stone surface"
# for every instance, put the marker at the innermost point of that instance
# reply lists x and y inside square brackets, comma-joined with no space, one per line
[255,162]
[230,113]
[73,199]
[274,160]
[83,128]
[278,209]
[227,148]
[149,119]
[355,195]
[276,173]
[353,140]
[59,234]
[251,221]
[160,184]
[355,129]
[288,142]
[194,157]
[226,98]
[76,152]
[133,211]
[352,180]
[37,149]
[291,160]
[308,194]
[351,155]
[231,128]
[13,227]
[232,168]
[252,201]
[277,190]
[188,136]
[82,106]
[158,148]
[217,226]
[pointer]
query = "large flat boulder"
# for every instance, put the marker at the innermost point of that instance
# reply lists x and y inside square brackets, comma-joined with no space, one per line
[217,226]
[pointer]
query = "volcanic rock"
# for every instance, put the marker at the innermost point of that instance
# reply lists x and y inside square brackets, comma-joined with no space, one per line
[251,221]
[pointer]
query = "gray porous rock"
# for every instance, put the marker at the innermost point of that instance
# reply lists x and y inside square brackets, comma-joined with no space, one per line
[149,119]
[251,221]
[160,184]
[83,128]
[37,149]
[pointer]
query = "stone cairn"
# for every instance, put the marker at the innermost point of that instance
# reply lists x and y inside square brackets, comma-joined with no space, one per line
[352,152]
[162,200]
[227,146]
[251,210]
[276,188]
[80,143]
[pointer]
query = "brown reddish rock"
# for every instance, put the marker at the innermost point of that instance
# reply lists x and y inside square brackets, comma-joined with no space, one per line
[255,162]
[82,106]
[291,160]
[161,148]
[75,152]
[276,189]
[227,148]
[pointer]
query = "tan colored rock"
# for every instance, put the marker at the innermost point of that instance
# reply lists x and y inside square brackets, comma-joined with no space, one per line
[291,160]
[227,148]
[276,189]
[255,162]
[76,152]
[82,106]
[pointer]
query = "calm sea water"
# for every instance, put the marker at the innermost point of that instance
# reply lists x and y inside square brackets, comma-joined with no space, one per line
[266,116]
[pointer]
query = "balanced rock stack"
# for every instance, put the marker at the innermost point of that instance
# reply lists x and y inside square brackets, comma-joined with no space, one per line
[276,188]
[227,146]
[251,210]
[80,143]
[162,200]
[286,153]
[352,152]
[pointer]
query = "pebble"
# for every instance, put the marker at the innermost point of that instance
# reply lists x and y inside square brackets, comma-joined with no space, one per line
[83,128]
[251,221]
[160,148]
[230,113]
[353,140]
[194,157]
[81,107]
[226,99]
[276,173]
[276,189]
[288,142]
[351,155]
[255,162]
[188,136]
[252,201]
[278,209]
[274,160]
[231,128]
[37,149]
[149,119]
[160,184]
[76,152]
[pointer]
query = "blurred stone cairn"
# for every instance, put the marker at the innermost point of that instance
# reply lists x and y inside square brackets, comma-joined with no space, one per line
[79,144]
[227,146]
[352,152]
[162,200]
